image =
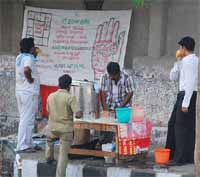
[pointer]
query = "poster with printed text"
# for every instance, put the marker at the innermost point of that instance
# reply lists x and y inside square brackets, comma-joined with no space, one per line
[76,42]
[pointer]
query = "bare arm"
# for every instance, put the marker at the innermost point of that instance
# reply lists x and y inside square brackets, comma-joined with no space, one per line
[47,106]
[27,73]
[130,87]
[79,114]
[127,99]
[103,100]
[103,92]
[76,108]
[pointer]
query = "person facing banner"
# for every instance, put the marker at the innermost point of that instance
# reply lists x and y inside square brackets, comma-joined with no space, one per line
[27,93]
[61,105]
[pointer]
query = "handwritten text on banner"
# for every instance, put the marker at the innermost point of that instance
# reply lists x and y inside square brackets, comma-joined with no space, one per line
[79,43]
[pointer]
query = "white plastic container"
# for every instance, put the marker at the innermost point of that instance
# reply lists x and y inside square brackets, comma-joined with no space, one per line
[109,147]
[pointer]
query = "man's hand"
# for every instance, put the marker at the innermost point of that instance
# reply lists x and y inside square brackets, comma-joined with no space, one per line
[79,114]
[179,55]
[127,99]
[184,109]
[178,59]
[106,108]
[31,80]
[27,73]
[103,100]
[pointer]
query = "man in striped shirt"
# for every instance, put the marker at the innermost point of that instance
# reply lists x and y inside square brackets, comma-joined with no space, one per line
[116,88]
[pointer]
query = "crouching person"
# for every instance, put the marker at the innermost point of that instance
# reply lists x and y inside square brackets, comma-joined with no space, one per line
[60,106]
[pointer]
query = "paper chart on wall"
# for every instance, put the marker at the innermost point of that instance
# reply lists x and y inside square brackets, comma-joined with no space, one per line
[79,43]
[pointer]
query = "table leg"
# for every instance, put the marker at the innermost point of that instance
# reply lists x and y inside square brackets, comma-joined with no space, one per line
[117,147]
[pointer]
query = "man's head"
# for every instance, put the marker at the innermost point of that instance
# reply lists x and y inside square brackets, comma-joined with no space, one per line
[113,70]
[65,81]
[187,45]
[27,45]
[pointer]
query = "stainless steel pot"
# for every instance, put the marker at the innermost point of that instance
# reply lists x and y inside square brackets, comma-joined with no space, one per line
[85,93]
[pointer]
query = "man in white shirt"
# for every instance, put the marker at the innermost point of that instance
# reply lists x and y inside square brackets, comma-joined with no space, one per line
[27,93]
[181,126]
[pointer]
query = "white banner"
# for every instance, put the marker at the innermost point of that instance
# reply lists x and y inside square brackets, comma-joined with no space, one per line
[79,43]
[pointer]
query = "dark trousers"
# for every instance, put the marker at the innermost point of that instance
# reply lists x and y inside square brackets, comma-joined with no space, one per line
[181,131]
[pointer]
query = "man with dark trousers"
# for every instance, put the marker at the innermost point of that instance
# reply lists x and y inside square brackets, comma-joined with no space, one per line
[181,126]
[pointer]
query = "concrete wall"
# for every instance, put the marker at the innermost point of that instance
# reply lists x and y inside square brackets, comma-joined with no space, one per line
[154,91]
[57,4]
[154,32]
[155,28]
[8,107]
[7,84]
[11,20]
[139,28]
[182,20]
[11,23]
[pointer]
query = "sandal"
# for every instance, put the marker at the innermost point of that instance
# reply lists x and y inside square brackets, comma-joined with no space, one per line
[28,150]
[37,148]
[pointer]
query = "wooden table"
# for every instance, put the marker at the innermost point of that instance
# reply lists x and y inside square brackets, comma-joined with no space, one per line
[98,126]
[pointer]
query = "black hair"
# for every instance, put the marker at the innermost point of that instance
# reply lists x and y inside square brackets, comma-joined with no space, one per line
[187,42]
[64,81]
[26,44]
[113,68]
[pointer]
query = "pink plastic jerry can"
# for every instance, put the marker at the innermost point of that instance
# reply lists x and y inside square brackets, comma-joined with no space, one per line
[137,113]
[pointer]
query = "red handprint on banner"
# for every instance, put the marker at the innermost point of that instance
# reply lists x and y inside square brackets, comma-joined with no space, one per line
[107,46]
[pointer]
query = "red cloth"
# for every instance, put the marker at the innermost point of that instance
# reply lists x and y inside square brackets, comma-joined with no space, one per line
[45,90]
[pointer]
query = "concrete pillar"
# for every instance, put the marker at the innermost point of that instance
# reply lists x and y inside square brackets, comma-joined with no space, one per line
[57,4]
[197,144]
[157,28]
[11,20]
[17,24]
[1,22]
[138,32]
[198,27]
[183,21]
[6,24]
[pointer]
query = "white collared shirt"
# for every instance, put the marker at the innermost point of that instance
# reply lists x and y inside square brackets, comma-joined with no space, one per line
[22,85]
[186,71]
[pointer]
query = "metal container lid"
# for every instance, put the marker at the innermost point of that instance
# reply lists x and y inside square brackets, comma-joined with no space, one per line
[81,82]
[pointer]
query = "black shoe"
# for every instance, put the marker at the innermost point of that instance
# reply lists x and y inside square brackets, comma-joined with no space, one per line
[190,161]
[37,148]
[174,163]
[28,150]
